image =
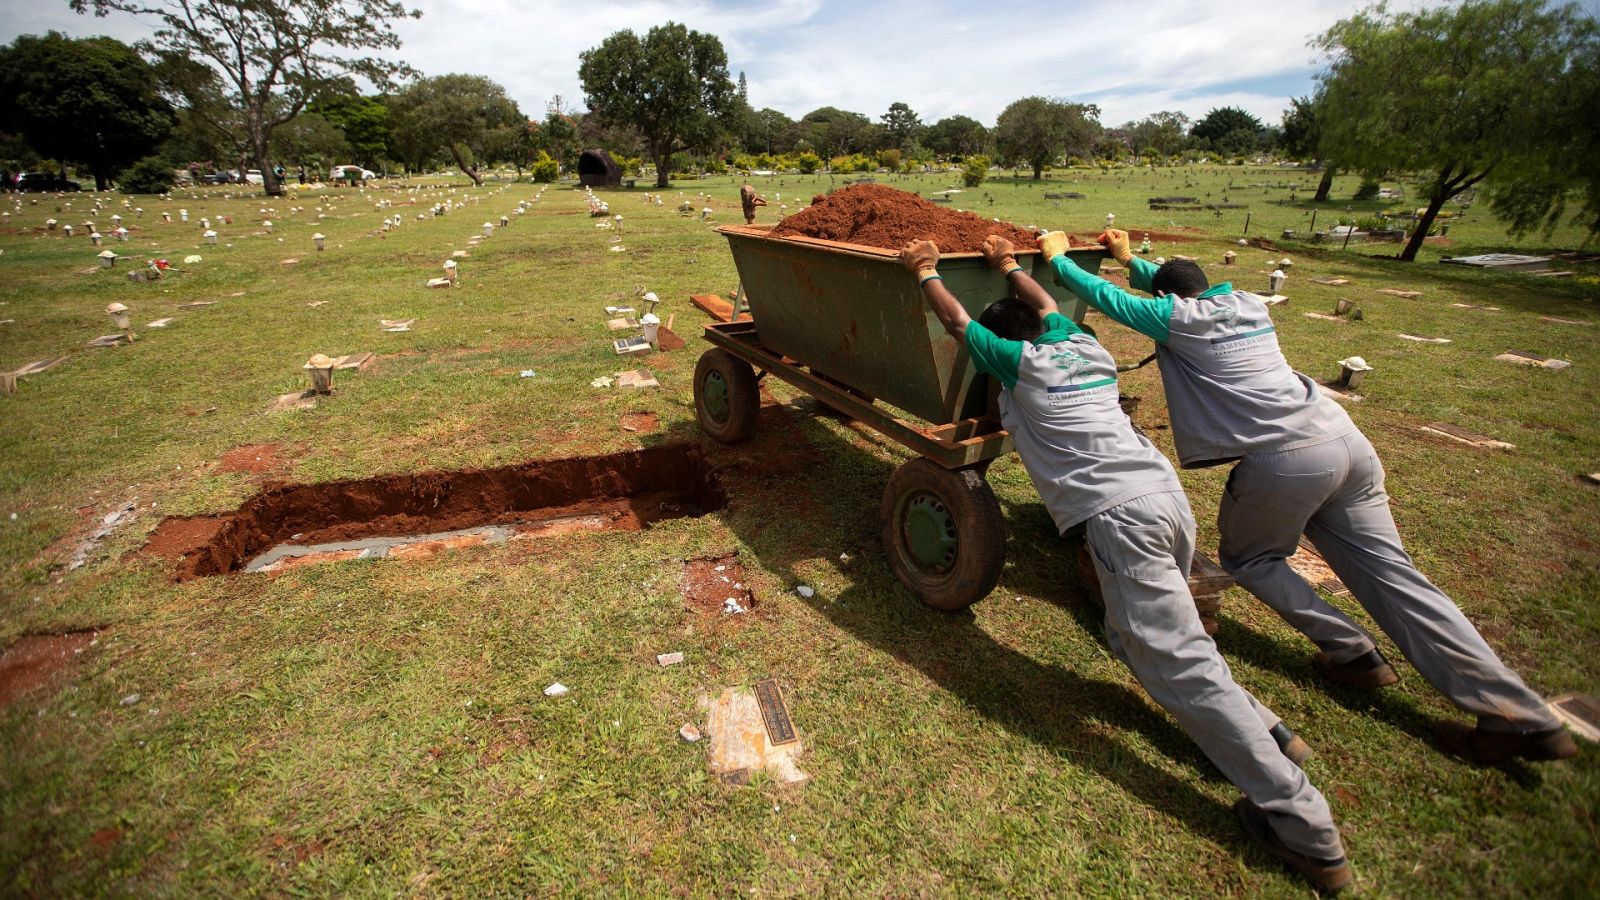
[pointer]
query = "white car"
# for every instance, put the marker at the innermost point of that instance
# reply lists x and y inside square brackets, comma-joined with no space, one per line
[252,176]
[340,173]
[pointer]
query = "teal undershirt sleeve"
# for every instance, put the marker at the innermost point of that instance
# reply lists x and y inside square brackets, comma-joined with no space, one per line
[994,355]
[1150,317]
[1142,274]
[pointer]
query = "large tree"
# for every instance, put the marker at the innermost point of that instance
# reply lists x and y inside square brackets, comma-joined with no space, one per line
[456,114]
[956,136]
[1036,130]
[901,127]
[671,85]
[831,131]
[1228,129]
[764,131]
[364,121]
[272,55]
[1302,137]
[1166,132]
[89,100]
[1458,93]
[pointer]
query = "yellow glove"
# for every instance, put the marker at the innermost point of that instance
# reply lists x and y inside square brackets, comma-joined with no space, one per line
[1053,244]
[921,257]
[999,253]
[1116,240]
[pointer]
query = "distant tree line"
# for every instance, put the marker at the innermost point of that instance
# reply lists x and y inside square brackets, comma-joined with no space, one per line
[1498,92]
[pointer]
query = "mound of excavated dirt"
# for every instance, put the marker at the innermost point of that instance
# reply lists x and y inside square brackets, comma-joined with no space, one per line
[879,216]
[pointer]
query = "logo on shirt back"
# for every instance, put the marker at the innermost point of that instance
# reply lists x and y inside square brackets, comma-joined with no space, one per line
[1243,334]
[1076,368]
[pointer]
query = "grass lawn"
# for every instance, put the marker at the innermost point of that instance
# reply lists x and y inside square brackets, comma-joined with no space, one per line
[379,727]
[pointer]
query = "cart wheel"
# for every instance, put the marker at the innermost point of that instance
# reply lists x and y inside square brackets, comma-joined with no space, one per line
[726,398]
[943,533]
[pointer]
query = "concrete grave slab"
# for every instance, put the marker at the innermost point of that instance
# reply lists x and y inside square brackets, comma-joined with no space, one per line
[1343,396]
[621,324]
[356,361]
[1580,713]
[108,340]
[1476,306]
[1335,282]
[1423,340]
[161,323]
[638,378]
[1467,436]
[1501,262]
[1524,358]
[630,346]
[1325,317]
[440,283]
[1562,274]
[198,304]
[1408,295]
[296,400]
[286,556]
[740,744]
[1557,320]
[316,303]
[396,325]
[1591,477]
[1276,300]
[459,254]
[43,365]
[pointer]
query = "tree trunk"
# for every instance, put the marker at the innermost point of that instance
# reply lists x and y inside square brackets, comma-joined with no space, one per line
[1038,171]
[1409,254]
[1325,185]
[261,148]
[469,171]
[101,182]
[663,164]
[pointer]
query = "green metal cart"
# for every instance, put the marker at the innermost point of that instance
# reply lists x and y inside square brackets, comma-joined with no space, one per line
[848,325]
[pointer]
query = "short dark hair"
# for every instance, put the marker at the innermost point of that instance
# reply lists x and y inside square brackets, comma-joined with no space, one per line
[1181,277]
[1012,319]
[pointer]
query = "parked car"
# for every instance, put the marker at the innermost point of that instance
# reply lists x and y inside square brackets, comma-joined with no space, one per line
[40,181]
[216,178]
[340,173]
[252,176]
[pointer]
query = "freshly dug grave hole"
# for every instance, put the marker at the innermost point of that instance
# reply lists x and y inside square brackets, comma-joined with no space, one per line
[619,492]
[877,216]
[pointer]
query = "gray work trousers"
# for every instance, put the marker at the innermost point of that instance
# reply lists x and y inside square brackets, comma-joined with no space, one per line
[1333,493]
[1141,551]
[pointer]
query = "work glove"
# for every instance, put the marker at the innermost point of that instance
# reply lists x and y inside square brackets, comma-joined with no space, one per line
[1116,240]
[1053,244]
[921,257]
[999,253]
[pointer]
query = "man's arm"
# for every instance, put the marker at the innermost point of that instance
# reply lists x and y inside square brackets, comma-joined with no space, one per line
[922,257]
[1150,317]
[998,252]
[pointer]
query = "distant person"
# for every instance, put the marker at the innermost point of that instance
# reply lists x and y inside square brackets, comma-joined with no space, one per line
[1300,466]
[1099,476]
[302,174]
[749,201]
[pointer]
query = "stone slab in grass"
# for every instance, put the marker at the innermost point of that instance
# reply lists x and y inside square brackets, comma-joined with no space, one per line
[1422,339]
[197,304]
[621,324]
[108,340]
[396,325]
[1467,436]
[1580,712]
[638,378]
[1557,320]
[1335,282]
[1476,306]
[1524,358]
[1325,317]
[356,361]
[1408,295]
[1343,395]
[43,365]
[740,743]
[294,400]
[161,323]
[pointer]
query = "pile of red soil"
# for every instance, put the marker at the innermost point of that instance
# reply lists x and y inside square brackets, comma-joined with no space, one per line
[877,216]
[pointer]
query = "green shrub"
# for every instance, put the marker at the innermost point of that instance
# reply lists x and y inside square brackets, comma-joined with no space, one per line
[150,175]
[808,163]
[715,166]
[974,170]
[890,159]
[544,169]
[1367,191]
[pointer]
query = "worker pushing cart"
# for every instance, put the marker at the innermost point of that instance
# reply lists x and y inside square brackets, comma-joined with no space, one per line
[748,201]
[1096,473]
[1301,466]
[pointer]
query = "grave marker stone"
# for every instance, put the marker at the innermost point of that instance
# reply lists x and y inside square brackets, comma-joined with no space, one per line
[1425,340]
[1524,358]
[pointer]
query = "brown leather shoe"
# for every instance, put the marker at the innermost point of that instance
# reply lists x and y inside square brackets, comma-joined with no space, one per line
[1327,875]
[1493,747]
[1367,671]
[1291,744]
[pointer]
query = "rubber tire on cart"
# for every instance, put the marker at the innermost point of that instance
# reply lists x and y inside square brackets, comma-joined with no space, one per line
[726,397]
[943,533]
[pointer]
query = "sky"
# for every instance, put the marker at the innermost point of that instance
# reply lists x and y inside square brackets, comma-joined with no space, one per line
[942,57]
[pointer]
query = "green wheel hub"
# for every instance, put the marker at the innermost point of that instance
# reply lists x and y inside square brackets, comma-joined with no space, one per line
[714,394]
[930,533]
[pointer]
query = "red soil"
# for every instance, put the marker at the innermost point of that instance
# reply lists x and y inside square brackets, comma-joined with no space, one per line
[34,658]
[708,583]
[877,216]
[252,458]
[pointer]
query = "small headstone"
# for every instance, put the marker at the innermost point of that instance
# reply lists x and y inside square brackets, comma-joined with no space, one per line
[356,361]
[1467,436]
[621,324]
[669,659]
[1275,300]
[42,365]
[1424,340]
[316,303]
[638,378]
[1324,317]
[628,346]
[198,304]
[1592,477]
[1580,712]
[440,283]
[1524,358]
[109,340]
